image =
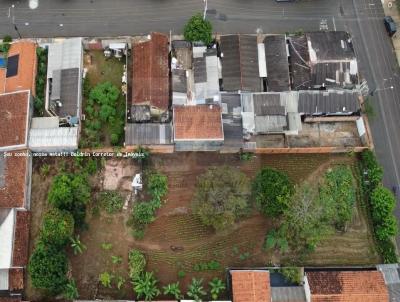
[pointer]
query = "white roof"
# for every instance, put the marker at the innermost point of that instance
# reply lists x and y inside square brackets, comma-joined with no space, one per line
[7,222]
[262,65]
[64,55]
[45,122]
[117,45]
[4,279]
[53,139]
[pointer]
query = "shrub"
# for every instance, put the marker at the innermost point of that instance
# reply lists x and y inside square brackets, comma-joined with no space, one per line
[143,213]
[41,54]
[146,286]
[173,290]
[181,274]
[292,274]
[57,228]
[387,249]
[137,263]
[71,291]
[216,287]
[111,201]
[105,279]
[198,30]
[221,197]
[106,246]
[48,267]
[45,170]
[272,191]
[374,171]
[196,290]
[157,185]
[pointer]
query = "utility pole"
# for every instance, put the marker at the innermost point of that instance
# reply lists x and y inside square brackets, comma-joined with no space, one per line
[205,9]
[12,14]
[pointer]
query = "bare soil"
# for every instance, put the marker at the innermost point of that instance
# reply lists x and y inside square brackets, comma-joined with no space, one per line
[176,240]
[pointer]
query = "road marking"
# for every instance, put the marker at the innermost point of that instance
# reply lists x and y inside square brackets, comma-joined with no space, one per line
[334,24]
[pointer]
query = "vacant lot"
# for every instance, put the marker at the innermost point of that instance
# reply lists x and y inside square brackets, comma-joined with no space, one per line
[176,240]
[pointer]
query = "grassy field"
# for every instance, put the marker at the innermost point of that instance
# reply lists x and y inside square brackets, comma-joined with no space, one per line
[177,241]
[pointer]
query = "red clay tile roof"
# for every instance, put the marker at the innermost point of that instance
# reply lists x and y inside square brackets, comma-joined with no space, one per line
[251,286]
[12,193]
[25,78]
[15,279]
[9,299]
[150,83]
[21,239]
[201,122]
[347,286]
[14,116]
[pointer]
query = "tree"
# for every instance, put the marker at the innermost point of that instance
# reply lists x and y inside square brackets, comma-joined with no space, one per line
[198,30]
[382,203]
[146,286]
[217,286]
[48,267]
[77,246]
[173,290]
[272,191]
[137,263]
[57,228]
[196,290]
[71,291]
[106,95]
[221,197]
[372,168]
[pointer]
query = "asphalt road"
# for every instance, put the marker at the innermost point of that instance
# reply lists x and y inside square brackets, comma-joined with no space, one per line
[362,18]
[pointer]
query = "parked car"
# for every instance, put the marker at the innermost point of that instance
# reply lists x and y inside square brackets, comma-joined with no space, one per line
[390,25]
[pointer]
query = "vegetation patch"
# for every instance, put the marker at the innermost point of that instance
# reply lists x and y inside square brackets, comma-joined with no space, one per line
[198,30]
[41,78]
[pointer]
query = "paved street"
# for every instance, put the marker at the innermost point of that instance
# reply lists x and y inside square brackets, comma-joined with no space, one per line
[362,18]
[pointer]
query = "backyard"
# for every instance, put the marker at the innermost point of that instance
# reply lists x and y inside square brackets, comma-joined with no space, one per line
[177,246]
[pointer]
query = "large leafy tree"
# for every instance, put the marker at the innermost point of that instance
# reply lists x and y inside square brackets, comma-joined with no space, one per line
[146,286]
[272,191]
[48,267]
[57,228]
[221,197]
[198,30]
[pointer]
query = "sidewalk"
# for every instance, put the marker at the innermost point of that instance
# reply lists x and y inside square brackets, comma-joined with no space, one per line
[394,12]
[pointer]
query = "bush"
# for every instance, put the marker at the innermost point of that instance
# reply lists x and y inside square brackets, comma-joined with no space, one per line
[387,250]
[198,30]
[221,197]
[157,185]
[374,172]
[48,267]
[292,274]
[137,263]
[57,228]
[41,75]
[146,286]
[111,201]
[272,191]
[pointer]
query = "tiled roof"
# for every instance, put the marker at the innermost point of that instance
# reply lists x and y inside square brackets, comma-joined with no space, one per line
[150,83]
[21,239]
[251,286]
[347,286]
[9,299]
[25,78]
[13,171]
[2,80]
[16,279]
[14,116]
[201,122]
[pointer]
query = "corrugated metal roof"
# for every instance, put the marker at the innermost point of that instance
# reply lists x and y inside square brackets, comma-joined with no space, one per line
[288,294]
[179,81]
[328,102]
[148,134]
[4,279]
[270,123]
[300,62]
[276,57]
[205,69]
[53,139]
[240,61]
[68,93]
[64,55]
[7,224]
[45,122]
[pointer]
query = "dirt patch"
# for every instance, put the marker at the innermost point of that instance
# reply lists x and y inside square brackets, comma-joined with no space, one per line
[177,240]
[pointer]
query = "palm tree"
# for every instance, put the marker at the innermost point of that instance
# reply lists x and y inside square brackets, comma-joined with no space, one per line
[77,245]
[217,286]
[70,291]
[196,290]
[146,286]
[173,290]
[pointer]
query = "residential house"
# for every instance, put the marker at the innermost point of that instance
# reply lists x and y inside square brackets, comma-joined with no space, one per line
[240,67]
[15,114]
[232,121]
[182,72]
[150,74]
[276,57]
[198,128]
[299,63]
[333,62]
[59,132]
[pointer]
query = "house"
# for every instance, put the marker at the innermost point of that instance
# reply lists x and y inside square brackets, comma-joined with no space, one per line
[150,75]
[205,75]
[15,173]
[352,286]
[239,59]
[198,128]
[276,57]
[333,62]
[250,286]
[15,114]
[21,68]
[329,102]
[182,72]
[299,61]
[59,131]
[232,121]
